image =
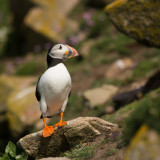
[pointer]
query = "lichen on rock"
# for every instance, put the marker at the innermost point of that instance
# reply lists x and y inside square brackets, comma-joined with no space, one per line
[145,145]
[18,103]
[138,19]
[49,18]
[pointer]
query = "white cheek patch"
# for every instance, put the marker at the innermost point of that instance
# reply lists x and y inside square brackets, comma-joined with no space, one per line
[57,54]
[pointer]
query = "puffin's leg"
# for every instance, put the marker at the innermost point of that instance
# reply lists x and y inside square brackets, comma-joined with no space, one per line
[48,130]
[62,123]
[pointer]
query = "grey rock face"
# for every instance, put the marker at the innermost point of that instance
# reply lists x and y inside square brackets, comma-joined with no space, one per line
[82,129]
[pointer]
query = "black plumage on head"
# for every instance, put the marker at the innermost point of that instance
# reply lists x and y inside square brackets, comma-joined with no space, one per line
[51,46]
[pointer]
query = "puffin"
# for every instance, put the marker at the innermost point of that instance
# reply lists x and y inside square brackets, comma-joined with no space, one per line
[54,85]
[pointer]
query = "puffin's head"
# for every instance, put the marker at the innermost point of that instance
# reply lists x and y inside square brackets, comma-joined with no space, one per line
[62,51]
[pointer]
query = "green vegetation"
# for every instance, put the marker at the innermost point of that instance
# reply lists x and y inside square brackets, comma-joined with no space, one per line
[147,112]
[30,68]
[111,152]
[4,23]
[120,43]
[132,116]
[151,54]
[2,69]
[145,67]
[99,82]
[112,139]
[121,114]
[80,152]
[106,140]
[12,153]
[4,10]
[100,23]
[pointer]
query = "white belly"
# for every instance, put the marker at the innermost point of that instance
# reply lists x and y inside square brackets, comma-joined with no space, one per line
[54,87]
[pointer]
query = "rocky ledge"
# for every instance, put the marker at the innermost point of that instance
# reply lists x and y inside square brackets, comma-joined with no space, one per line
[82,129]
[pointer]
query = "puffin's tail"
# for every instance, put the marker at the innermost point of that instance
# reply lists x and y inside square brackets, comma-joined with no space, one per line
[48,116]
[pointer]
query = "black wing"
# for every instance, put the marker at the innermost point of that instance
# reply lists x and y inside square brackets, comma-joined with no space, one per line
[69,93]
[37,93]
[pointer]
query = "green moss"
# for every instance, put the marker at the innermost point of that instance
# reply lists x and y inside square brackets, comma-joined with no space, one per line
[30,68]
[121,113]
[147,112]
[80,152]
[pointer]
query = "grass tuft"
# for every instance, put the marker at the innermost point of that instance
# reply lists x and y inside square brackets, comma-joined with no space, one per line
[111,152]
[80,152]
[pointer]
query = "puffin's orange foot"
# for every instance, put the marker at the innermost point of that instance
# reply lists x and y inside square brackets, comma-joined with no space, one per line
[48,131]
[60,124]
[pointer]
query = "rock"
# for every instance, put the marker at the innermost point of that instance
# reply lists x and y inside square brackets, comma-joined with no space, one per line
[126,97]
[120,69]
[109,109]
[145,145]
[100,95]
[138,19]
[44,21]
[22,108]
[4,127]
[55,158]
[49,18]
[98,4]
[82,129]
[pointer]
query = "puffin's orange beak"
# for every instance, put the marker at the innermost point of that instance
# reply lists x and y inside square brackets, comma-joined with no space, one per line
[71,52]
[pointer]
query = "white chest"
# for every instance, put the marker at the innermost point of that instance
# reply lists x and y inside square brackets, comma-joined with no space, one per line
[55,84]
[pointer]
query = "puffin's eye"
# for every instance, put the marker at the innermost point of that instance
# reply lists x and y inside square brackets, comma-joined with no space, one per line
[60,47]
